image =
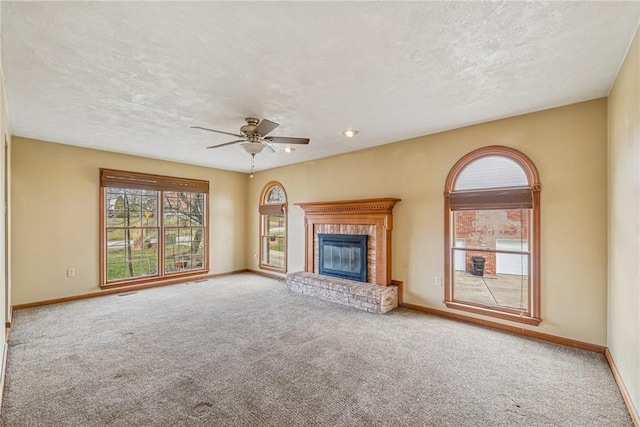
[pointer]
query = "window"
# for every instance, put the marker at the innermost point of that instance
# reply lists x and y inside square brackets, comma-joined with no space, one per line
[273,227]
[492,235]
[152,227]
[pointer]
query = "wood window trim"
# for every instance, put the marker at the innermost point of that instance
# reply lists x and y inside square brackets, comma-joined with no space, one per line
[264,209]
[124,179]
[532,317]
[503,314]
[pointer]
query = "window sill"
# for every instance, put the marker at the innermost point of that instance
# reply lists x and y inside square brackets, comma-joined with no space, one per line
[148,282]
[513,317]
[271,268]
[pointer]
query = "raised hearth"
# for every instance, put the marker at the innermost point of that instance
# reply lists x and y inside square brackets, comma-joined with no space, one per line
[363,296]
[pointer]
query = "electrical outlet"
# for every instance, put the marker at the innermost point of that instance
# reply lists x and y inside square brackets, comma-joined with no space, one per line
[71,272]
[438,281]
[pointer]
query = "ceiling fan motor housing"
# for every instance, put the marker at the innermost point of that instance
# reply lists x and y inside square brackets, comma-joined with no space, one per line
[251,125]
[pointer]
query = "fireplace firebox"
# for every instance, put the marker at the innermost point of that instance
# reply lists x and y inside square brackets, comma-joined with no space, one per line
[343,255]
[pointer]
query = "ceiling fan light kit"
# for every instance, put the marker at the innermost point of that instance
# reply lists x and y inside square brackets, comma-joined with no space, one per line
[252,148]
[254,137]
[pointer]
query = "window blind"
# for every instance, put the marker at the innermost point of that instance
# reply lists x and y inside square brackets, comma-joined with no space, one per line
[123,179]
[501,198]
[271,209]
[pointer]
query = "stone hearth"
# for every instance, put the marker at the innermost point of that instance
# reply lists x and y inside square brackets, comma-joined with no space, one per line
[360,295]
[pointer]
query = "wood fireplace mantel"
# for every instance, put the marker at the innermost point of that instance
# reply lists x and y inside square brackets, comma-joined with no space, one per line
[364,212]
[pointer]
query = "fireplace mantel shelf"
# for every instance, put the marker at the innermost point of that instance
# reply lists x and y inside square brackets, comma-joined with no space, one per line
[355,207]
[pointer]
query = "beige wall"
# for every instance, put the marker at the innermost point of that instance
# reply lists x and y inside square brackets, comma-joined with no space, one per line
[624,222]
[568,145]
[56,215]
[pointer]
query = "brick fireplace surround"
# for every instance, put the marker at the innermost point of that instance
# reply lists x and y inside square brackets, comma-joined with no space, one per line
[372,217]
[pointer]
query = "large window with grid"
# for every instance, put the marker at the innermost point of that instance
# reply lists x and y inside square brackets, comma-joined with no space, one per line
[273,227]
[492,223]
[152,227]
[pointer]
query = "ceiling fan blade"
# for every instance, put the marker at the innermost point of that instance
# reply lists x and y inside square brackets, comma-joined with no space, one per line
[273,150]
[265,126]
[286,140]
[217,131]
[227,143]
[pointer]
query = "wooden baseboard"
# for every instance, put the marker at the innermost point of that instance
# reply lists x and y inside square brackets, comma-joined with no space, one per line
[623,389]
[120,290]
[508,328]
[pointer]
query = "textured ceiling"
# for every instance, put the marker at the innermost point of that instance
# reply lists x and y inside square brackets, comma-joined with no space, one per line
[132,77]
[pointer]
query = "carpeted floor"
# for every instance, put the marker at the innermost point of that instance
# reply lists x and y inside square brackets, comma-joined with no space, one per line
[243,351]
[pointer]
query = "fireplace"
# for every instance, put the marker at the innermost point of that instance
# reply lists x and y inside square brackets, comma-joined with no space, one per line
[343,255]
[370,217]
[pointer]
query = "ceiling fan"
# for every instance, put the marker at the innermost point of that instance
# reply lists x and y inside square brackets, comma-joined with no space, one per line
[254,136]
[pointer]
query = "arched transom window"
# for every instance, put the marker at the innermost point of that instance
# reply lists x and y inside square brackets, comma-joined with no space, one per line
[273,227]
[492,235]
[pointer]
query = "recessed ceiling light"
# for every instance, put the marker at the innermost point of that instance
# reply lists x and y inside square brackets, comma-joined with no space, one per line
[350,133]
[289,150]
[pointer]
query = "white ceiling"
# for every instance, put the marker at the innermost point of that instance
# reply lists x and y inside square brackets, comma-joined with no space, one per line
[132,77]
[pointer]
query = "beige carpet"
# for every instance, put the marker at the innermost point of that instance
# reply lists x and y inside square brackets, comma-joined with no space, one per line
[243,351]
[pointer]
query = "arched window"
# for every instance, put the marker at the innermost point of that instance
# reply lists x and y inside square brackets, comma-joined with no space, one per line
[492,235]
[273,227]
